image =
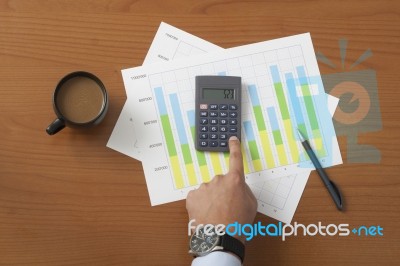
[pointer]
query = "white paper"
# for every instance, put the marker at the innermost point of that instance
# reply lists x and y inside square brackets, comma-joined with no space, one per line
[169,44]
[278,198]
[160,164]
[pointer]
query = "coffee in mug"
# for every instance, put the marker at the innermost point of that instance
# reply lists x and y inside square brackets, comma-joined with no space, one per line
[80,100]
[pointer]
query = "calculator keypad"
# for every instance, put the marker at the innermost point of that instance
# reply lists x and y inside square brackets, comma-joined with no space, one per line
[222,123]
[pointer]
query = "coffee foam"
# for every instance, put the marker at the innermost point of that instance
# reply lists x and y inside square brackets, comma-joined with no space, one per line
[80,99]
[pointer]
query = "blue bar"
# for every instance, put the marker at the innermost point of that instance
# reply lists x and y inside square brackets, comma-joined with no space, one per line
[162,108]
[248,130]
[191,116]
[290,82]
[275,74]
[302,75]
[272,118]
[223,73]
[180,126]
[253,95]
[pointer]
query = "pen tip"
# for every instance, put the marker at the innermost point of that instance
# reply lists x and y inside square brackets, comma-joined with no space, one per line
[301,137]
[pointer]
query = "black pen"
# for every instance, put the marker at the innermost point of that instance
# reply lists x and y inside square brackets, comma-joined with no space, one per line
[332,188]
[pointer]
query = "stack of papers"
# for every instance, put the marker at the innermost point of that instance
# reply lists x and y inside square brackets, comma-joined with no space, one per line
[281,92]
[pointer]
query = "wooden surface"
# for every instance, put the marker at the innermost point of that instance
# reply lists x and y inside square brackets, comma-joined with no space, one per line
[69,200]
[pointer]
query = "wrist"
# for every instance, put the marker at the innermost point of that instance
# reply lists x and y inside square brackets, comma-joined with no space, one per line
[204,241]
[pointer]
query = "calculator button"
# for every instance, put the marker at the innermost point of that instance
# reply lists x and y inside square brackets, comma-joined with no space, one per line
[204,129]
[213,129]
[213,114]
[223,121]
[203,121]
[223,107]
[213,143]
[214,121]
[213,136]
[232,129]
[223,114]
[203,136]
[233,122]
[223,136]
[223,144]
[233,107]
[203,114]
[233,114]
[203,106]
[223,129]
[213,107]
[203,143]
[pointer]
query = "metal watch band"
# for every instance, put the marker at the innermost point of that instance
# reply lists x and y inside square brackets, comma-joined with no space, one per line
[233,245]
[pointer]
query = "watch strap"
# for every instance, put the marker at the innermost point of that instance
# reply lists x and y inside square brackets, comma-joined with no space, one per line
[233,245]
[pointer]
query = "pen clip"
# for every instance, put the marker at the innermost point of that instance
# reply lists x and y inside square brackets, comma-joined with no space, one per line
[339,204]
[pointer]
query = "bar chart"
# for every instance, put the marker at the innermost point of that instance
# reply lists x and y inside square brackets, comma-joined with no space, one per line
[189,166]
[269,123]
[276,120]
[280,94]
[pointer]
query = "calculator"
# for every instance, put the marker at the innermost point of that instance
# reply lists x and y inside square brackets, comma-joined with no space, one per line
[218,112]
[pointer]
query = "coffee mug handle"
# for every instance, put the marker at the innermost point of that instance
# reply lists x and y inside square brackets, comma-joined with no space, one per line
[56,126]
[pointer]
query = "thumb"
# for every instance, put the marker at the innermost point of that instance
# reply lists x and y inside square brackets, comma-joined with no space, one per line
[235,157]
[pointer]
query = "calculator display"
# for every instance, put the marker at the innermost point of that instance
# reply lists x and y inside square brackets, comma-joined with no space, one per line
[218,94]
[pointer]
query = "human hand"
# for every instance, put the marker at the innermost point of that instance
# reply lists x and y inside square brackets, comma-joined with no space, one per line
[227,198]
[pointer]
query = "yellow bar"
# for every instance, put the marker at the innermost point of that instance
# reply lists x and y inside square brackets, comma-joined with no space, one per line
[269,158]
[205,175]
[226,157]
[191,174]
[245,163]
[291,140]
[318,144]
[257,165]
[216,163]
[319,147]
[176,171]
[280,149]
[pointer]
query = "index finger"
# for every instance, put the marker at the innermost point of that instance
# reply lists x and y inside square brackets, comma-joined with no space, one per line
[235,156]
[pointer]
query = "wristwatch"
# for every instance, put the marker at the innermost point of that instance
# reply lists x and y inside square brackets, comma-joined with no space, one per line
[206,240]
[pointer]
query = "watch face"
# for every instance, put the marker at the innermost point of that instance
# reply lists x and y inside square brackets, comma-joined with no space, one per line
[202,243]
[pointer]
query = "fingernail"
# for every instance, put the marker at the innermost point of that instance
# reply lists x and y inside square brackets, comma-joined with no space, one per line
[233,138]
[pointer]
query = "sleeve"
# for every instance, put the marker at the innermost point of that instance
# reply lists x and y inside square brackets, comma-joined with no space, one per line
[217,258]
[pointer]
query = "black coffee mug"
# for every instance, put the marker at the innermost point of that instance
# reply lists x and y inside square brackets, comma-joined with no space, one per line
[80,100]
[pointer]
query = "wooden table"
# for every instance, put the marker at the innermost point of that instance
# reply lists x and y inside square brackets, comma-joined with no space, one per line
[69,200]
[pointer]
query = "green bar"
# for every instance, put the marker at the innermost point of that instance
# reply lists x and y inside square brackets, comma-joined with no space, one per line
[226,154]
[259,118]
[303,130]
[310,107]
[169,138]
[201,158]
[281,101]
[320,152]
[277,137]
[187,157]
[253,150]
